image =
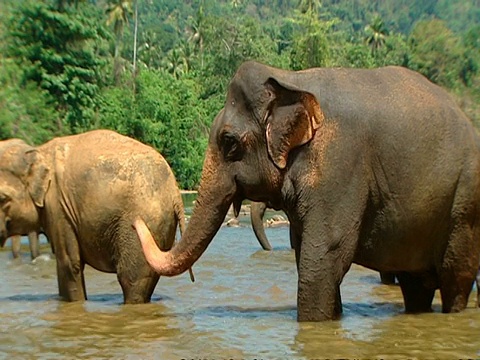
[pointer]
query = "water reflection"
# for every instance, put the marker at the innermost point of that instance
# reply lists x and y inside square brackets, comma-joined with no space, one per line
[242,306]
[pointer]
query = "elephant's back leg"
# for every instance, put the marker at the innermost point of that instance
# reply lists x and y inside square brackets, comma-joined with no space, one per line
[137,284]
[136,277]
[418,291]
[460,265]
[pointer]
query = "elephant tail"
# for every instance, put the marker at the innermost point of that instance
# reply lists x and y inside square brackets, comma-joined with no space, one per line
[180,215]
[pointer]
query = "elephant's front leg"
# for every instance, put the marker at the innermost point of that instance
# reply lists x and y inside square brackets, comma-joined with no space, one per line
[16,245]
[324,261]
[71,282]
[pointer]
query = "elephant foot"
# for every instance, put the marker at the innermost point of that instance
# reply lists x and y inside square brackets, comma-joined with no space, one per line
[71,284]
[72,293]
[306,316]
[320,308]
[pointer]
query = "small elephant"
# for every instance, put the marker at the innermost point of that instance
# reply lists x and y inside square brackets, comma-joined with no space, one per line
[256,216]
[32,242]
[377,167]
[84,192]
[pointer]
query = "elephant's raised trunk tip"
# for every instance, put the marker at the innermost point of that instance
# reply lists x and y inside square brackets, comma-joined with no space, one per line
[160,261]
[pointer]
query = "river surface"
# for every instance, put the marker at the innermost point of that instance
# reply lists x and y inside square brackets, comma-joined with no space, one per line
[242,306]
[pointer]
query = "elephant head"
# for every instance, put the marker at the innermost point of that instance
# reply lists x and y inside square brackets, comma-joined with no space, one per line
[266,117]
[24,181]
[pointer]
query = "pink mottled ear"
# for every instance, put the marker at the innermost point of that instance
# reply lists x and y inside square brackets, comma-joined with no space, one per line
[292,120]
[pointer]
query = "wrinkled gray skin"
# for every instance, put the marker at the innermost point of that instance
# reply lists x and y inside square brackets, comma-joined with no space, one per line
[376,167]
[256,216]
[32,242]
[84,192]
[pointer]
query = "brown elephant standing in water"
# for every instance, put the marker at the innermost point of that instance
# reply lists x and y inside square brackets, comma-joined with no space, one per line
[84,191]
[377,167]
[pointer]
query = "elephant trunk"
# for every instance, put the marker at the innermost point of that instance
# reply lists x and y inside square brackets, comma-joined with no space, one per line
[257,210]
[215,196]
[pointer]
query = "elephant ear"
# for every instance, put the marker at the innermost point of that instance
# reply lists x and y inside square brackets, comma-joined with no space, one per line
[37,177]
[293,116]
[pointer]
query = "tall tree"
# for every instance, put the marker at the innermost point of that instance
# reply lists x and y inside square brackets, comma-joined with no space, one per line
[118,12]
[57,51]
[135,39]
[310,44]
[376,33]
[197,35]
[435,52]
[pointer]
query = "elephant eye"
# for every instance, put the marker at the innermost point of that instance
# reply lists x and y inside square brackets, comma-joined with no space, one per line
[231,146]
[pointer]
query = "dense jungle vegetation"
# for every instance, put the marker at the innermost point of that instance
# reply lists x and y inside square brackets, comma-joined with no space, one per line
[157,70]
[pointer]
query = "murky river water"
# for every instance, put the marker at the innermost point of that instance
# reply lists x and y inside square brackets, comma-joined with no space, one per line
[242,306]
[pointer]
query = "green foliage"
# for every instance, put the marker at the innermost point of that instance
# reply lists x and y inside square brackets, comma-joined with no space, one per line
[435,52]
[376,34]
[164,113]
[26,112]
[174,122]
[57,51]
[471,56]
[58,57]
[310,43]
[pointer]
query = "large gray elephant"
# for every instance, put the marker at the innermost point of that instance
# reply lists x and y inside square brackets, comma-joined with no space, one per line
[375,167]
[84,191]
[32,242]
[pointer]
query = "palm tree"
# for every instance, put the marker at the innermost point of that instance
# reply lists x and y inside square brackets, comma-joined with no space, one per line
[149,50]
[135,40]
[174,63]
[118,12]
[376,34]
[197,32]
[236,3]
[188,55]
[61,4]
[309,6]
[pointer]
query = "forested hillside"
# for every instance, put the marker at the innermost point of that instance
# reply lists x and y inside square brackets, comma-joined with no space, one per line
[157,70]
